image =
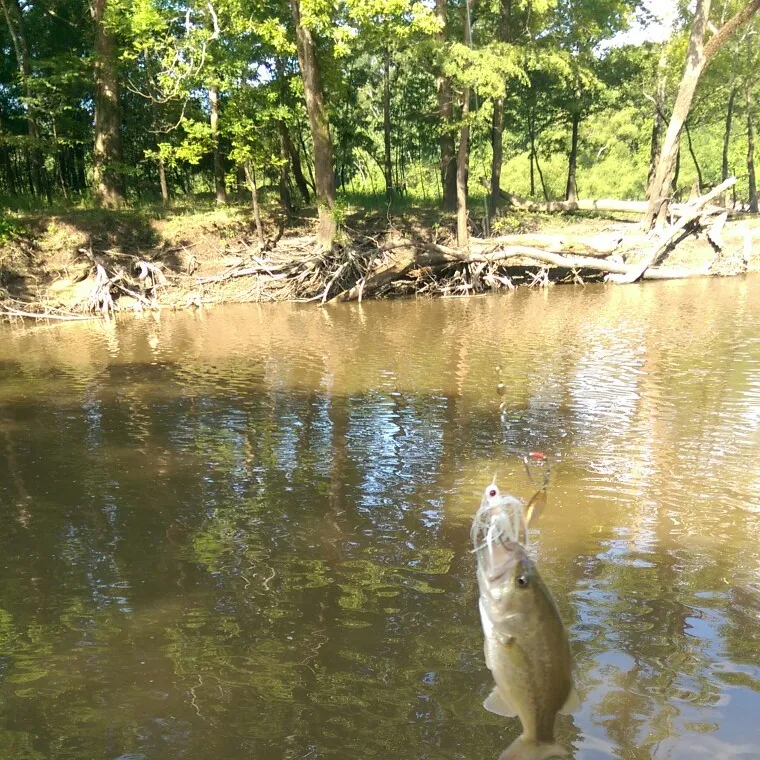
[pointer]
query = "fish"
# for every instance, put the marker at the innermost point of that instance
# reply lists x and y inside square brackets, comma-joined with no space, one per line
[526,649]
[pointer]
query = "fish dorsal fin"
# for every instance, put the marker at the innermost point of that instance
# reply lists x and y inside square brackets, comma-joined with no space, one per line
[572,703]
[497,703]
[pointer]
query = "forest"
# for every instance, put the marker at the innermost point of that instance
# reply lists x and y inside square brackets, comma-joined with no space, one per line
[462,105]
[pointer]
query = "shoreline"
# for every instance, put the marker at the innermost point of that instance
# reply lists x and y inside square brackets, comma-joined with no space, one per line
[85,264]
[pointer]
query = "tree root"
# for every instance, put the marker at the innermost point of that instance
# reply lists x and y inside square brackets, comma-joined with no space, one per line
[366,266]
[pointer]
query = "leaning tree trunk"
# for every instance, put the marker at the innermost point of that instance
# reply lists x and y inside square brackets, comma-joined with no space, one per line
[571,191]
[219,183]
[697,57]
[445,109]
[387,126]
[320,129]
[108,178]
[659,190]
[497,125]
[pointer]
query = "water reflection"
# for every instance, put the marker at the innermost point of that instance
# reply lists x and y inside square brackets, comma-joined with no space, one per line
[245,533]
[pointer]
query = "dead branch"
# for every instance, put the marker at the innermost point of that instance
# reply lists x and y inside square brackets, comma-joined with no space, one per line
[636,272]
[600,204]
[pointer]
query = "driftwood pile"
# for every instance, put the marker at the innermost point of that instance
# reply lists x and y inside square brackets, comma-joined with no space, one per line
[361,266]
[369,267]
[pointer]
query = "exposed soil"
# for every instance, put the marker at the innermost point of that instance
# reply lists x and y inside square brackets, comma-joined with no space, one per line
[49,262]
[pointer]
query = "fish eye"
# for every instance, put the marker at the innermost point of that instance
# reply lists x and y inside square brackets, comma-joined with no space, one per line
[522,581]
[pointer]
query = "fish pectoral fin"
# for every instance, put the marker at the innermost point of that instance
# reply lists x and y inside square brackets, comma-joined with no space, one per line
[572,703]
[497,703]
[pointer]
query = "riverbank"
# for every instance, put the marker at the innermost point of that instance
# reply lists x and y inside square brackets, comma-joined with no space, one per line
[79,262]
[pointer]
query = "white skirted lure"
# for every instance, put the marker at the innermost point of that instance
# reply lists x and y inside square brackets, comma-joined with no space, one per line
[500,518]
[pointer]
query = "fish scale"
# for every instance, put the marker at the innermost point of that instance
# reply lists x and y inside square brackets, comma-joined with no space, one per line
[525,643]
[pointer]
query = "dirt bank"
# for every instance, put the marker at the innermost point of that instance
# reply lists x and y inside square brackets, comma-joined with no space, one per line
[84,261]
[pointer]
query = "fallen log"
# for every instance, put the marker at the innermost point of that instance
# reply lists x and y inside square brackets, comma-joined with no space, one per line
[599,204]
[436,256]
[597,245]
[638,270]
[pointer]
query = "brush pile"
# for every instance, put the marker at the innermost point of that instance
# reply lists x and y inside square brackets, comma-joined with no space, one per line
[386,263]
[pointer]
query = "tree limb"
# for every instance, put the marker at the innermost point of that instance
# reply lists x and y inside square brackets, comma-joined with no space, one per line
[637,272]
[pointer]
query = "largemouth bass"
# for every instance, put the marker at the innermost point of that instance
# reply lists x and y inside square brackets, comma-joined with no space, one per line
[526,649]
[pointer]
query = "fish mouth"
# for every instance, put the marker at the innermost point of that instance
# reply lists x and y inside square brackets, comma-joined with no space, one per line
[496,561]
[498,574]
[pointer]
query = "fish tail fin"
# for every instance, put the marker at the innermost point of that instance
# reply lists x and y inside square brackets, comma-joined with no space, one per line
[523,748]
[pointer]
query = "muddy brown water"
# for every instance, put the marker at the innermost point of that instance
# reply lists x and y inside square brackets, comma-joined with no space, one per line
[244,534]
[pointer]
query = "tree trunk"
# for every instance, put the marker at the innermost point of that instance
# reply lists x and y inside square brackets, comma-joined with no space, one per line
[162,180]
[445,110]
[8,172]
[497,125]
[464,150]
[697,57]
[571,191]
[250,174]
[320,129]
[660,188]
[540,173]
[15,21]
[58,164]
[219,184]
[462,161]
[286,149]
[295,161]
[693,157]
[80,171]
[753,206]
[532,137]
[676,172]
[658,117]
[285,199]
[108,178]
[387,126]
[7,164]
[727,133]
[497,153]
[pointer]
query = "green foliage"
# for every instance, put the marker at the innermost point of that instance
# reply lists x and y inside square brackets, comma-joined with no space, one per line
[9,229]
[550,62]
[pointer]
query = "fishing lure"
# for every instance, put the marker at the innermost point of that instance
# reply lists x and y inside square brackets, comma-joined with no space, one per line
[503,517]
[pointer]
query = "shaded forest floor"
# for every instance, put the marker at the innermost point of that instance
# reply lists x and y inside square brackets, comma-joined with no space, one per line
[185,257]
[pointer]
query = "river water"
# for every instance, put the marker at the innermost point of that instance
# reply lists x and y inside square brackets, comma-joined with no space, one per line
[244,533]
